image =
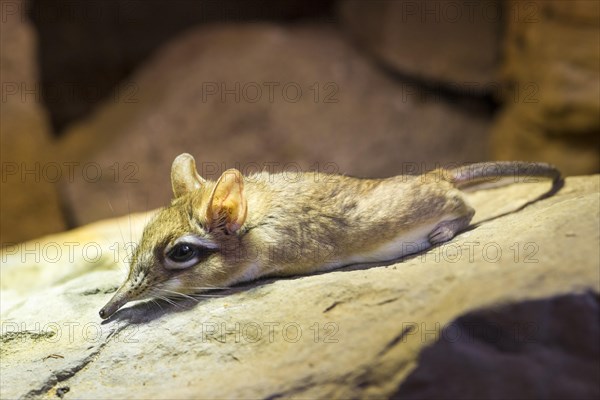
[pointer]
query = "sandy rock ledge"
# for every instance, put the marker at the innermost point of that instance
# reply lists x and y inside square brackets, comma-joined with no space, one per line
[352,333]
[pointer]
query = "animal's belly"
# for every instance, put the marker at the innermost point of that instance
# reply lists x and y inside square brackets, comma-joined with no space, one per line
[407,242]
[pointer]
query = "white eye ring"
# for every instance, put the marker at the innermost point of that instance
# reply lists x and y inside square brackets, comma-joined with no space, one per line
[185,252]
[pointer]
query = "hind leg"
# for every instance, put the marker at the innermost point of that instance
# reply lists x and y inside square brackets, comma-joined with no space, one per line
[457,208]
[446,230]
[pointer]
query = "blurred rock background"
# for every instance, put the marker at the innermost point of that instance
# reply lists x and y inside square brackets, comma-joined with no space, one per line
[99,96]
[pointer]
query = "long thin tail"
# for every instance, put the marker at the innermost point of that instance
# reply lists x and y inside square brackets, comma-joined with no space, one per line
[492,174]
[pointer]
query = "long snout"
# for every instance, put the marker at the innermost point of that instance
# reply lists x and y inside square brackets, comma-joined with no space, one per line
[117,301]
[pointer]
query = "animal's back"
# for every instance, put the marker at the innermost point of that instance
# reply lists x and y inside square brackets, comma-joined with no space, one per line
[312,219]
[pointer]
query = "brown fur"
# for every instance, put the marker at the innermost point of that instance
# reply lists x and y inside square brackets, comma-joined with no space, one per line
[277,225]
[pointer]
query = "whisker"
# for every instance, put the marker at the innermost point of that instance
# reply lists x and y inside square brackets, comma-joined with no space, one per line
[193,296]
[157,303]
[177,294]
[171,302]
[129,216]
[112,210]
[124,245]
[204,294]
[208,295]
[166,299]
[206,287]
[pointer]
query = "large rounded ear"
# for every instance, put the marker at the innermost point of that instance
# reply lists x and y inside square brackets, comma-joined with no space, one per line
[184,177]
[227,203]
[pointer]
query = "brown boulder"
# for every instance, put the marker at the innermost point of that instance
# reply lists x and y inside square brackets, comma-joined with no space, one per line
[254,97]
[456,43]
[29,202]
[552,101]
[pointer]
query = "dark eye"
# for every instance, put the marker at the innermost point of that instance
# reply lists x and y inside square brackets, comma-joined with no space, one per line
[187,251]
[182,252]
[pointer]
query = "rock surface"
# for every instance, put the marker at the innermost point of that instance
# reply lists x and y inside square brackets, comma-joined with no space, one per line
[552,101]
[536,349]
[296,98]
[405,35]
[345,334]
